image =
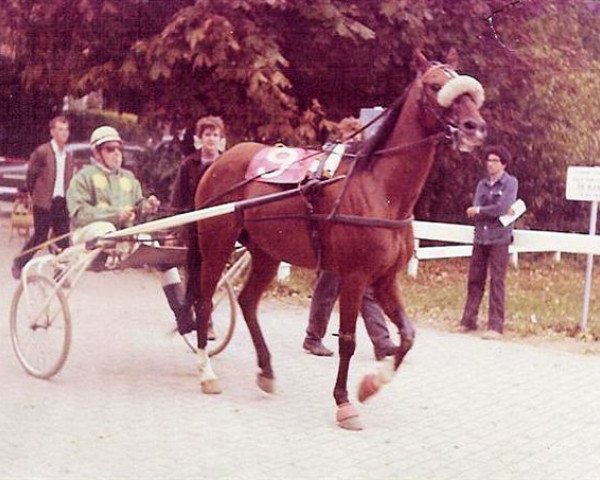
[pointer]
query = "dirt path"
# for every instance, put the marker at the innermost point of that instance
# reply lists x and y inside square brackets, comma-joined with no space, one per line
[128,404]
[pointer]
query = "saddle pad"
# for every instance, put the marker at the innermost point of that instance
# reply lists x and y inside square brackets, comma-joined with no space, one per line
[281,164]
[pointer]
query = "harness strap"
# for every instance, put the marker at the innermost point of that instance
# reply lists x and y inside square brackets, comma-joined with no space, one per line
[309,191]
[353,220]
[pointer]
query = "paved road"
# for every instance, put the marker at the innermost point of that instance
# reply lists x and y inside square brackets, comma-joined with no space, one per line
[128,403]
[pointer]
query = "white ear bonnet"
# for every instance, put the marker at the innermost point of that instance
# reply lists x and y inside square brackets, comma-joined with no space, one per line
[459,85]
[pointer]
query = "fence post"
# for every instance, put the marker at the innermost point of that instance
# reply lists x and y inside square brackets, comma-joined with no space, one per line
[413,264]
[283,272]
[514,259]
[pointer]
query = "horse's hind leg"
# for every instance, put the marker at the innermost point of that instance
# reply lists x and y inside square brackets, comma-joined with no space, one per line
[213,259]
[264,269]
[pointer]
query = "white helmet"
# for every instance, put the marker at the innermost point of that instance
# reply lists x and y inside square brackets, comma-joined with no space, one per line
[104,134]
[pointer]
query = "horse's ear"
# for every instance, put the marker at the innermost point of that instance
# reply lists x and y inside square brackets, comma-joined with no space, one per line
[452,58]
[421,61]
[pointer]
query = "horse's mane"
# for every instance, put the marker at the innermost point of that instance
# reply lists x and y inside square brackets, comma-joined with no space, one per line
[365,155]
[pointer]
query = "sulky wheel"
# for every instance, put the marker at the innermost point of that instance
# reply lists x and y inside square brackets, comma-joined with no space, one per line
[223,318]
[40,326]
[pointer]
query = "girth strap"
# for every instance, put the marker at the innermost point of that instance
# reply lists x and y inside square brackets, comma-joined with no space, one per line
[355,220]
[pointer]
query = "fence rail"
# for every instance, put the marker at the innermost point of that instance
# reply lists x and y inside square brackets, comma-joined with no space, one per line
[525,241]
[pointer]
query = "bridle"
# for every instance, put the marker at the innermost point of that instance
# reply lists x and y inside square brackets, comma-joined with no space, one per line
[448,126]
[448,129]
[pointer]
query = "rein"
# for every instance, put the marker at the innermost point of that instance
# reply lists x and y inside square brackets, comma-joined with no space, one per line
[448,132]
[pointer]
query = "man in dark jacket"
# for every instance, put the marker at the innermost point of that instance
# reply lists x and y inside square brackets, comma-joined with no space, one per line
[493,198]
[49,172]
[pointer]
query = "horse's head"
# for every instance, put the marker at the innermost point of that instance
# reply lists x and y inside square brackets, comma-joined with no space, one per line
[451,101]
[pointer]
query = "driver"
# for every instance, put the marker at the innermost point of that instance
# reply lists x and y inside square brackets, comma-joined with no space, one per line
[103,197]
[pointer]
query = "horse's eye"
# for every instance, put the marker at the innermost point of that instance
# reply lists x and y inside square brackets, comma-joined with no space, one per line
[435,87]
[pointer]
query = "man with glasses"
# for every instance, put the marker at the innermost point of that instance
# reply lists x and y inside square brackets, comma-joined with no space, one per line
[494,196]
[104,197]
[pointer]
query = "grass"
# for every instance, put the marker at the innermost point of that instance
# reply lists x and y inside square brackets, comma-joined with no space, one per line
[544,298]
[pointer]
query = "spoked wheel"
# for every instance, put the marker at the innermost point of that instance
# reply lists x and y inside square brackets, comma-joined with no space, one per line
[40,326]
[224,316]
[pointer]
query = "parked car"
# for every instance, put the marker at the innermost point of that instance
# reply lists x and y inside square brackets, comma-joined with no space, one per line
[14,170]
[133,155]
[12,176]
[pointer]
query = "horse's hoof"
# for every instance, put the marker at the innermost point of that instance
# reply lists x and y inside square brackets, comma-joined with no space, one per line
[267,385]
[368,387]
[347,417]
[211,387]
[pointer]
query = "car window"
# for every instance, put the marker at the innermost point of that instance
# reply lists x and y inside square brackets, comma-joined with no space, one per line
[132,156]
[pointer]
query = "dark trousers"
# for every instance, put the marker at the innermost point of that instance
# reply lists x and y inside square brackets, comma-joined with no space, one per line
[57,219]
[496,256]
[326,293]
[194,261]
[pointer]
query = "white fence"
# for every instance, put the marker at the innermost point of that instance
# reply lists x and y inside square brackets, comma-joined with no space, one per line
[524,241]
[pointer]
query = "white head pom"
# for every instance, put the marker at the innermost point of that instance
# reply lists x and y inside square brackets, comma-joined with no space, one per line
[457,86]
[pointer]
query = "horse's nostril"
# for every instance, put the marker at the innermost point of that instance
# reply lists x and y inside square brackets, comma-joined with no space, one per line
[469,125]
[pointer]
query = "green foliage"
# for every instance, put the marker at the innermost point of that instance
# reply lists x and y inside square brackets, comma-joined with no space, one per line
[82,123]
[279,70]
[158,173]
[543,298]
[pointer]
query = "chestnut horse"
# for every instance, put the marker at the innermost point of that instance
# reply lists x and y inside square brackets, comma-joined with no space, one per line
[383,185]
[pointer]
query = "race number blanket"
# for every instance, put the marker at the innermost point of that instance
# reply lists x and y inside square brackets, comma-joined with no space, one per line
[282,164]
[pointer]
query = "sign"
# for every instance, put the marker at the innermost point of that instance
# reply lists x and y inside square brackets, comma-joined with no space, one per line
[583,184]
[369,114]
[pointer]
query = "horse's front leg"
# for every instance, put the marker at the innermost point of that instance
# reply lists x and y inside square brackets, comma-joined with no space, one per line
[212,263]
[386,293]
[350,299]
[204,290]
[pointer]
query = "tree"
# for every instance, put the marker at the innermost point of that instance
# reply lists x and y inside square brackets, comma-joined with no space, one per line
[282,70]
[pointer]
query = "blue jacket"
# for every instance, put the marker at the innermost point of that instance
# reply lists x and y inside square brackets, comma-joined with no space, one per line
[493,201]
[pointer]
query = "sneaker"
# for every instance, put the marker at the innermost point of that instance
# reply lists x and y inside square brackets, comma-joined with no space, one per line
[465,329]
[316,348]
[491,335]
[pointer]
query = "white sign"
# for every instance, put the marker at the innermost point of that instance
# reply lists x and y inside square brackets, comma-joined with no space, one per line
[583,184]
[369,114]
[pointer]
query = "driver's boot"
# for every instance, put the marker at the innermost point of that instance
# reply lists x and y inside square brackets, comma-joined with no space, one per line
[184,317]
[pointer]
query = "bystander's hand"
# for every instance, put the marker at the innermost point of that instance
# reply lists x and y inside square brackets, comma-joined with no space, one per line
[472,211]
